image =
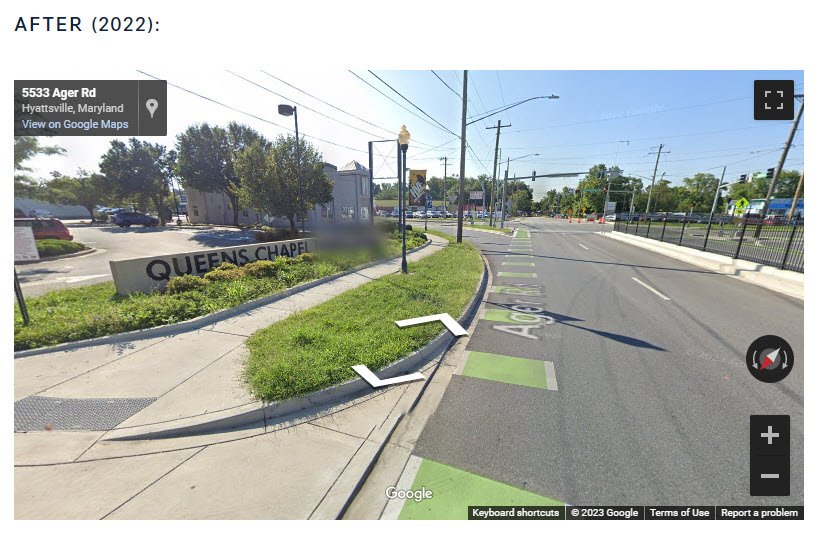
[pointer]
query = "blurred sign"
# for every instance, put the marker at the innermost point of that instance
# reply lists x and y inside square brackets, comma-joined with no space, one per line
[452,198]
[476,195]
[417,187]
[741,205]
[25,247]
[610,206]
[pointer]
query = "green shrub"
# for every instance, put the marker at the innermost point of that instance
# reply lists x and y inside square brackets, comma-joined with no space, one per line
[184,283]
[387,226]
[225,274]
[51,247]
[307,257]
[226,266]
[261,269]
[271,234]
[101,217]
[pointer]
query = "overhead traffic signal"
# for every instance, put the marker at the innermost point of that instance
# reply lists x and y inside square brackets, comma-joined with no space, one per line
[770,173]
[533,176]
[742,179]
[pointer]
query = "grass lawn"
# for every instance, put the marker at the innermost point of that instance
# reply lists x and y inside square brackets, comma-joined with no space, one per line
[316,348]
[96,310]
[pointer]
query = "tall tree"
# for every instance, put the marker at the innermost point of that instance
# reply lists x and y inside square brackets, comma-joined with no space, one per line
[207,157]
[140,170]
[85,190]
[269,177]
[25,148]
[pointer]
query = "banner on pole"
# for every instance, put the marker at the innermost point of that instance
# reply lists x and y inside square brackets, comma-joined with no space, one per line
[417,187]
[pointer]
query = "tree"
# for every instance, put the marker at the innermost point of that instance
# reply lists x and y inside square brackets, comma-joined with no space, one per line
[207,157]
[386,190]
[85,190]
[140,171]
[26,147]
[269,177]
[697,192]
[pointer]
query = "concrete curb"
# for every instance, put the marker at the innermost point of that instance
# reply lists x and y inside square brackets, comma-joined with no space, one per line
[325,397]
[199,322]
[782,281]
[57,257]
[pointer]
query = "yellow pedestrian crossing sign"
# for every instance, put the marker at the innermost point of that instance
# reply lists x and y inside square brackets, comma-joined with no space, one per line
[741,205]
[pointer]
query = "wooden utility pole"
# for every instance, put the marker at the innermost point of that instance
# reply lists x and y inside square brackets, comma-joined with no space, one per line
[796,198]
[654,171]
[462,154]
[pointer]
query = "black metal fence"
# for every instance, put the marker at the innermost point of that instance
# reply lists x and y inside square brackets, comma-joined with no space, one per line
[773,242]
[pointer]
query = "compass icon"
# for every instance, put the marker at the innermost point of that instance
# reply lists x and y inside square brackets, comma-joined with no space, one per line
[769,359]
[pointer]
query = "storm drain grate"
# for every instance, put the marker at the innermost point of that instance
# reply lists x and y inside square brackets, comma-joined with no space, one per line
[35,413]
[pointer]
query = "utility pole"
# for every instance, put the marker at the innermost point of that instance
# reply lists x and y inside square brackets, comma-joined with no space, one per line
[654,171]
[780,163]
[796,198]
[717,194]
[445,172]
[462,154]
[499,126]
[504,185]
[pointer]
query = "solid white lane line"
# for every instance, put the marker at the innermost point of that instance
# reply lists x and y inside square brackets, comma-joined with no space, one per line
[585,247]
[550,374]
[646,286]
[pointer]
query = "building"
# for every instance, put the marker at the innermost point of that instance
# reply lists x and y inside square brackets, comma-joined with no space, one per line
[351,203]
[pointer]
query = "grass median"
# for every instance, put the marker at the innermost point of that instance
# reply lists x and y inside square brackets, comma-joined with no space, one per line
[97,310]
[317,348]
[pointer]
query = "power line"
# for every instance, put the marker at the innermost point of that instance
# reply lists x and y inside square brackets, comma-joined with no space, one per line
[334,107]
[631,115]
[446,84]
[233,108]
[410,102]
[303,105]
[397,103]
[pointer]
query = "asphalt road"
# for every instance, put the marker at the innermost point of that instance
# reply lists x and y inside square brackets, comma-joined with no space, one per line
[653,395]
[114,243]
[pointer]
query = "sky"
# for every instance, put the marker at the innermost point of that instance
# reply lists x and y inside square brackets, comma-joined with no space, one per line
[703,118]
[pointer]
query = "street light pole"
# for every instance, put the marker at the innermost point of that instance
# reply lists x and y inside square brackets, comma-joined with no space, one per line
[287,110]
[403,139]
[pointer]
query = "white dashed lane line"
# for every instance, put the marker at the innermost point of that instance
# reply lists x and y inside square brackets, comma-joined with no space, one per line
[646,286]
[585,247]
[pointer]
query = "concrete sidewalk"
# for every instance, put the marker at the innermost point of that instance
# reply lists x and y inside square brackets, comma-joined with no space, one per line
[76,406]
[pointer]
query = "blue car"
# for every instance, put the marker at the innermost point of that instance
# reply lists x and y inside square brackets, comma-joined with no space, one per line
[126,219]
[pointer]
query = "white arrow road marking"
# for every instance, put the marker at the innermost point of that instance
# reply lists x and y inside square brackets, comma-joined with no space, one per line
[646,286]
[376,382]
[445,318]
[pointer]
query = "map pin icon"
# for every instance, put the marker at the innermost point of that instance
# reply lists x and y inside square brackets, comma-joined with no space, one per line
[151,105]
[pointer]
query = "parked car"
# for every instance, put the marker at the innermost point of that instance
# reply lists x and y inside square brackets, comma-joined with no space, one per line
[18,213]
[126,219]
[611,217]
[776,219]
[47,228]
[395,212]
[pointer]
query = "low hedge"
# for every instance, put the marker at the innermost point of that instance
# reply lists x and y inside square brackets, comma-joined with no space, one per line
[51,247]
